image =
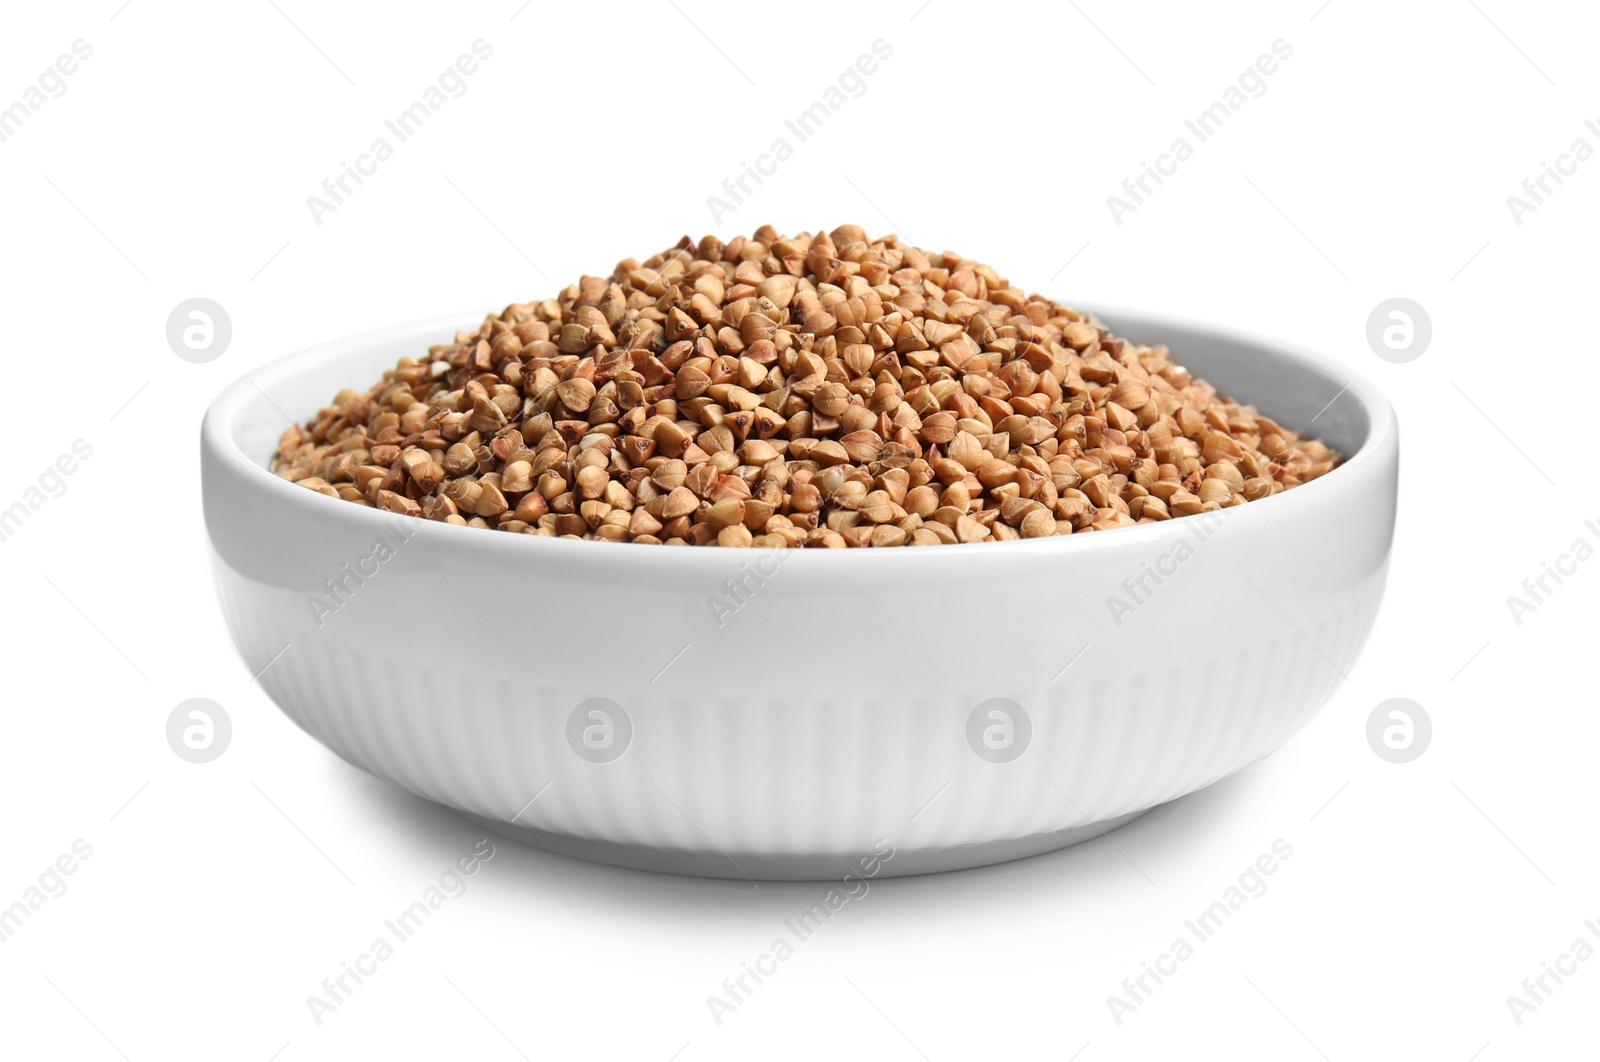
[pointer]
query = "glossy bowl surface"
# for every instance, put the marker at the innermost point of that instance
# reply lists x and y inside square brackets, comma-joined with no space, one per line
[958,705]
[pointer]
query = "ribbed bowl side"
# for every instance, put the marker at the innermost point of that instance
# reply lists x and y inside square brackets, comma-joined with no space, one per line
[805,771]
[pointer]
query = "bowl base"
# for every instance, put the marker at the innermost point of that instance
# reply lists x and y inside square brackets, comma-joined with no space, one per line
[768,866]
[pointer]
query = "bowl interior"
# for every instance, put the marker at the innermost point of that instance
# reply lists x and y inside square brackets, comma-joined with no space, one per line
[1298,392]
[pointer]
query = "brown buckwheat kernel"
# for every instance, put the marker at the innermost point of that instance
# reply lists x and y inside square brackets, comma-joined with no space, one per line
[814,390]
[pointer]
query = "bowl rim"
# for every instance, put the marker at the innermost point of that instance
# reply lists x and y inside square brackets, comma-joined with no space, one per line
[218,443]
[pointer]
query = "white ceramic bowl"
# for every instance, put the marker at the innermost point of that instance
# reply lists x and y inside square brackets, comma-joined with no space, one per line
[848,704]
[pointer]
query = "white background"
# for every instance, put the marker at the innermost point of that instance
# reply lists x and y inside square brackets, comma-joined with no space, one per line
[1377,164]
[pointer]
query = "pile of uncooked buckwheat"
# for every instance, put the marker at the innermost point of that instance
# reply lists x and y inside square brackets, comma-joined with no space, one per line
[810,390]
